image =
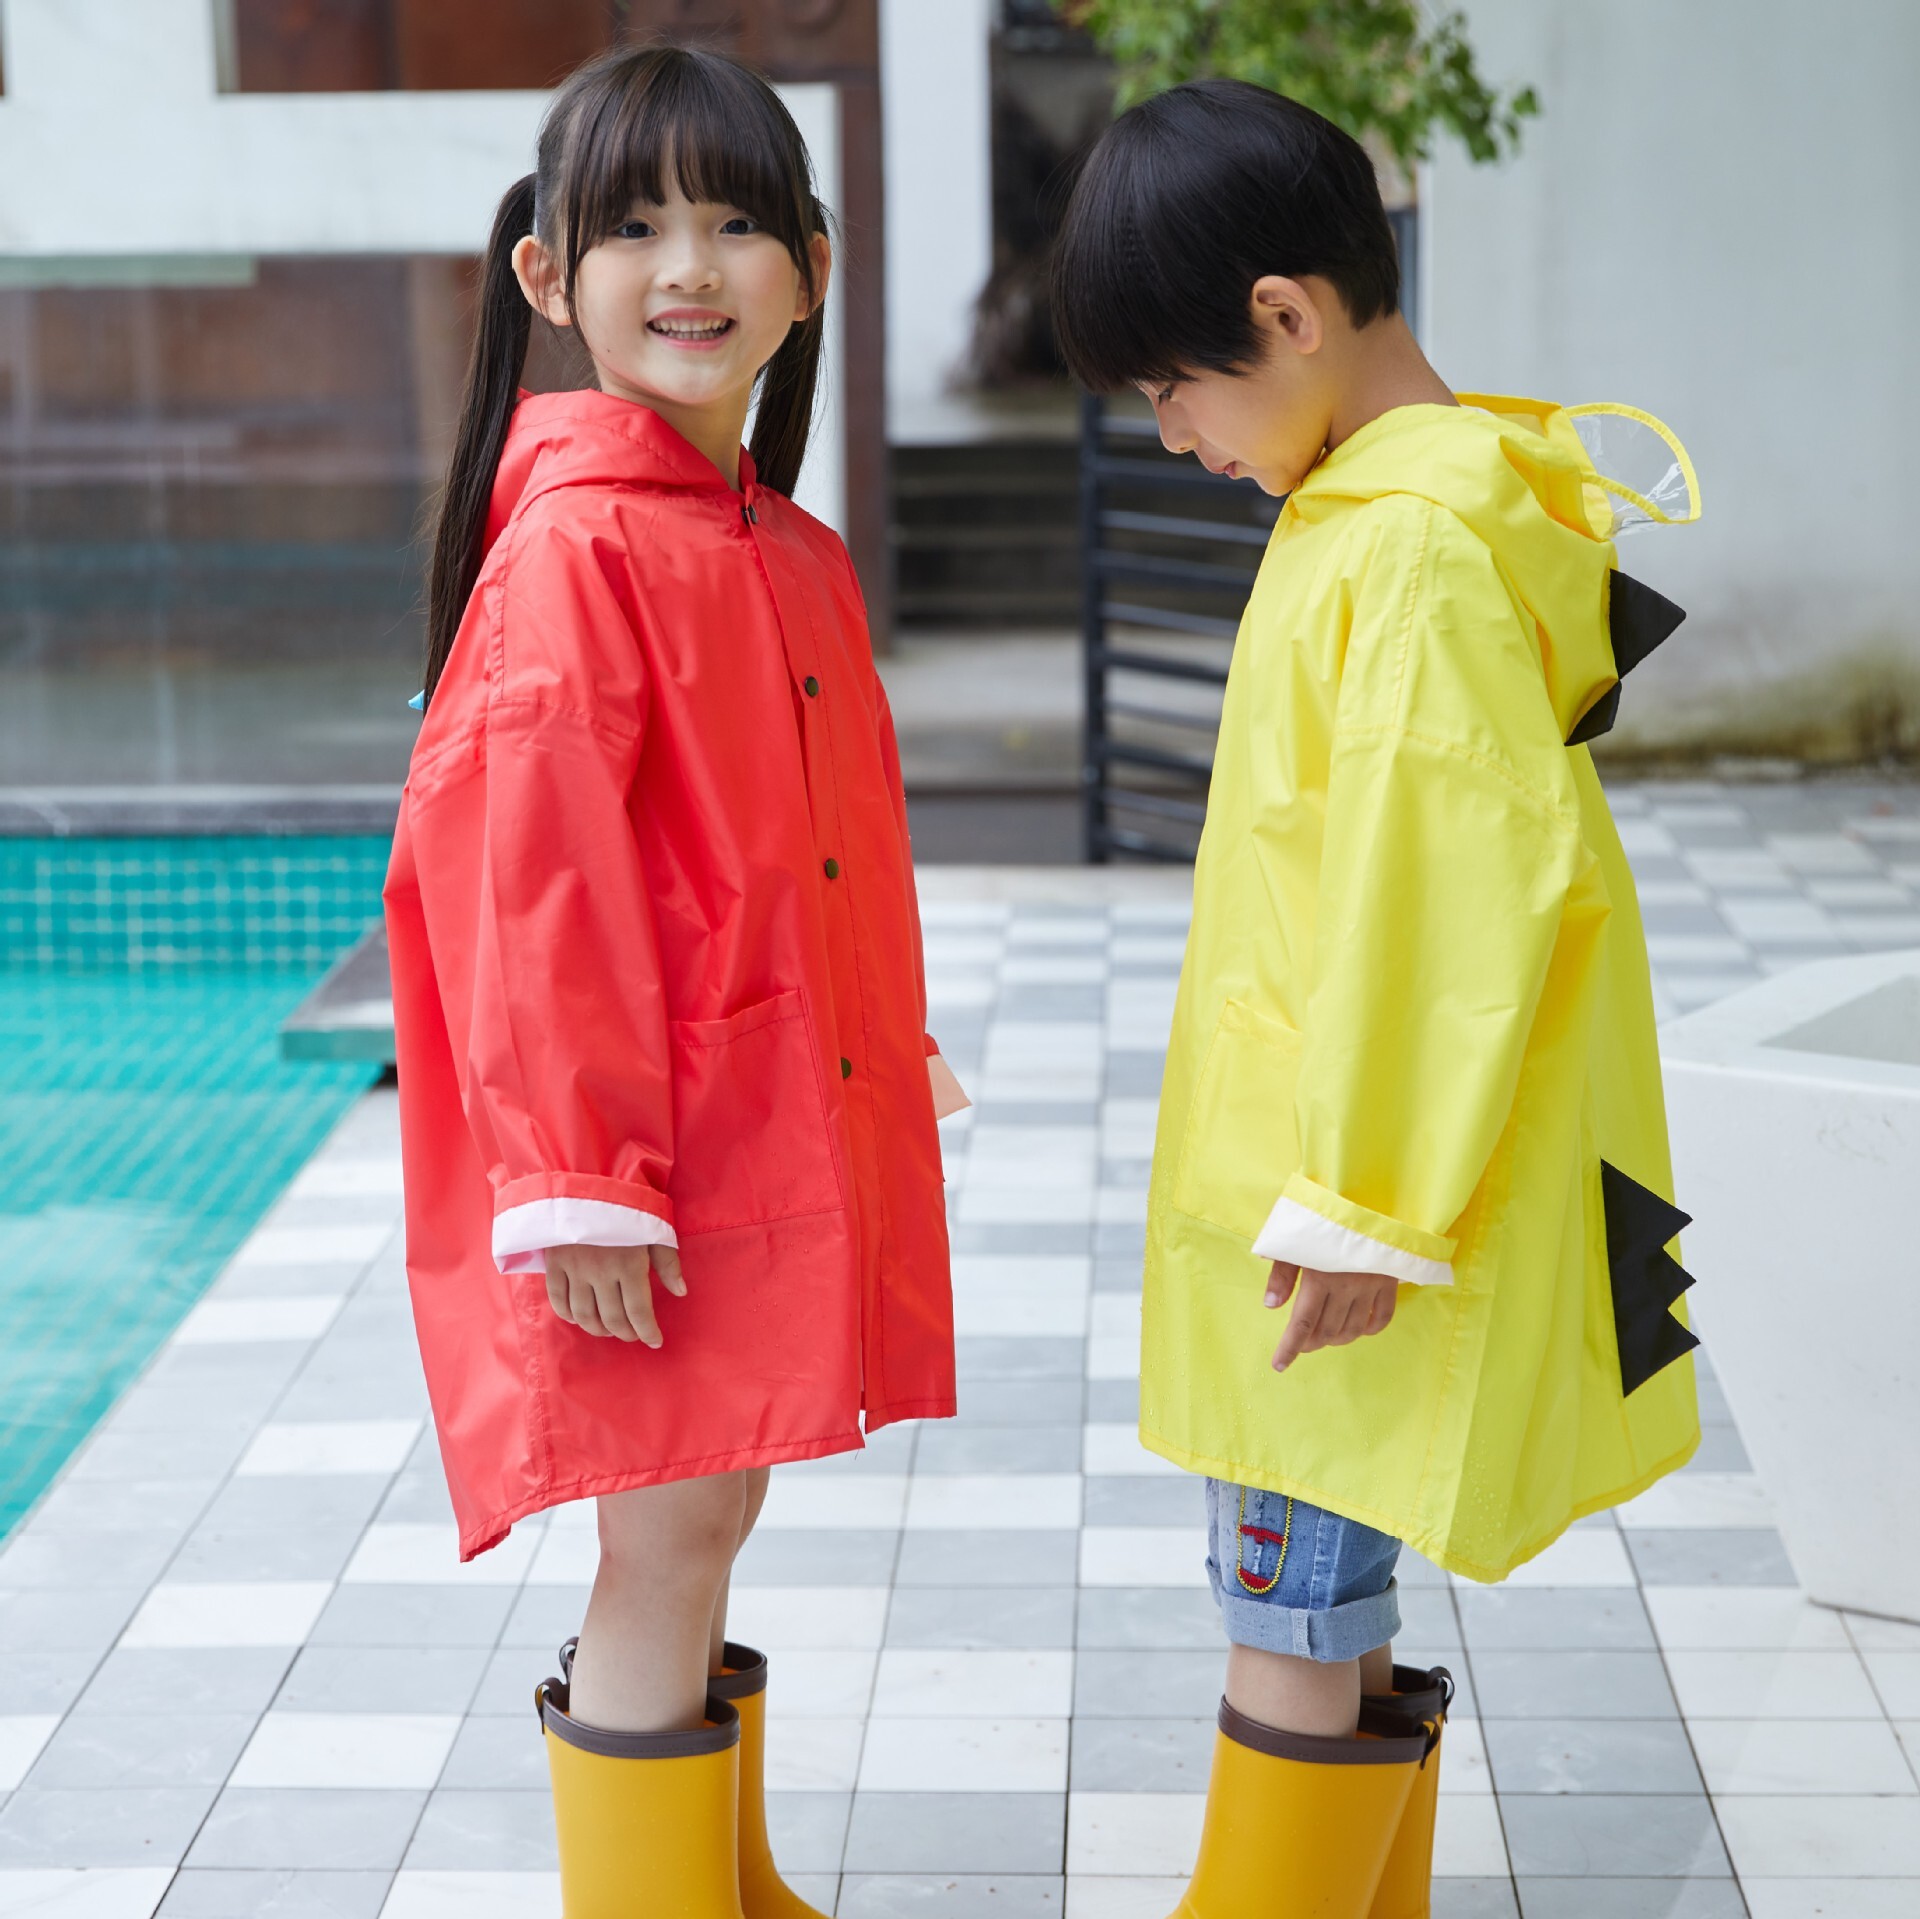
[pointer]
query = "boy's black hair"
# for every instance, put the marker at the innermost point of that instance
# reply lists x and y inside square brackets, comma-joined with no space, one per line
[1186,201]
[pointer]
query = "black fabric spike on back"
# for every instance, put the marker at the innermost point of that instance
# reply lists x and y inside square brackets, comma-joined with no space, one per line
[1646,1279]
[1638,620]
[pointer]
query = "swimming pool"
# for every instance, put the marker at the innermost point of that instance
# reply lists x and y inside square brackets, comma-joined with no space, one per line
[146,1118]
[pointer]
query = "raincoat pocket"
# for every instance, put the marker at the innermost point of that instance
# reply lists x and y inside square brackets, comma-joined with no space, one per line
[751,1138]
[1241,1144]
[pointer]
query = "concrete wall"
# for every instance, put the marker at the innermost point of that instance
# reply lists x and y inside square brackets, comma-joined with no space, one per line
[1715,219]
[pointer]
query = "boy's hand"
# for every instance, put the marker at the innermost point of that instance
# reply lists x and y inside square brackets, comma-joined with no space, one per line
[1333,1309]
[608,1290]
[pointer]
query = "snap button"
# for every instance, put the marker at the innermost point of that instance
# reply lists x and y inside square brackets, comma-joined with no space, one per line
[833,869]
[813,687]
[846,1069]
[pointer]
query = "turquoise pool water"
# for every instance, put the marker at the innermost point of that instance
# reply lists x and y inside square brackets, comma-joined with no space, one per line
[146,1119]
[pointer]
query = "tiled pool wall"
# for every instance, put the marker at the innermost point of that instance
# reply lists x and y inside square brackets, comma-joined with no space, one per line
[147,1121]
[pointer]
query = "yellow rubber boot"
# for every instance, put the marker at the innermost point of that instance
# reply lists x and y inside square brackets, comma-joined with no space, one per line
[1419,1699]
[763,1893]
[646,1821]
[1298,1824]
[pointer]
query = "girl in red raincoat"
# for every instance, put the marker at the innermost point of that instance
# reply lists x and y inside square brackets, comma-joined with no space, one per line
[674,1198]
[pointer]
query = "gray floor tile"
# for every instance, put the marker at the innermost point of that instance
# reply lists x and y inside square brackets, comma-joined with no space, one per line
[1427,1615]
[1114,1400]
[1553,1619]
[808,1829]
[970,1446]
[489,1831]
[1630,1899]
[1116,1273]
[1012,1616]
[129,1826]
[1721,1450]
[492,1754]
[78,1621]
[1022,1402]
[989,1559]
[545,1616]
[416,1499]
[304,1502]
[1591,1755]
[166,1679]
[414,1615]
[1141,1755]
[1035,1112]
[116,1455]
[506,1687]
[1572,1684]
[1175,1618]
[229,1894]
[42,1681]
[1017,1356]
[1150,1685]
[816,1559]
[951,1896]
[1474,1899]
[1720,1556]
[1112,1237]
[335,1829]
[138,1555]
[1036,1237]
[1605,1836]
[957,1832]
[1133,1074]
[1146,1501]
[1036,1001]
[237,1552]
[433,1679]
[102,1749]
[141,1501]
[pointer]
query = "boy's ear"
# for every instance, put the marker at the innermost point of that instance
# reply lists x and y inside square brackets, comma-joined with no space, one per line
[539,276]
[1286,312]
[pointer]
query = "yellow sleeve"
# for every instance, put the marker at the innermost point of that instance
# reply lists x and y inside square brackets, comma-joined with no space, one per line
[1451,847]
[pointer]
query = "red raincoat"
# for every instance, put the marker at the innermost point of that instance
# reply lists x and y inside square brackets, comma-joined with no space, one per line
[656,971]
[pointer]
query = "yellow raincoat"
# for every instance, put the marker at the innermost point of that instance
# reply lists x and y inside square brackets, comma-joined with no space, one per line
[1415,1027]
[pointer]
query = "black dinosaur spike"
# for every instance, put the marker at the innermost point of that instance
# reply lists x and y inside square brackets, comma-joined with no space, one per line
[1638,620]
[1646,1279]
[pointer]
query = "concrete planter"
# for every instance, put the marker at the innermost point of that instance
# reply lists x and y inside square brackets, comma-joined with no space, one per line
[1796,1136]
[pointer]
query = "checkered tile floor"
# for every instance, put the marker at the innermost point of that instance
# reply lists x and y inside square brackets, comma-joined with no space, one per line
[240,1672]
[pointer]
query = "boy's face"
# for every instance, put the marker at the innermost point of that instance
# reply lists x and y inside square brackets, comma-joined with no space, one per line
[1271,423]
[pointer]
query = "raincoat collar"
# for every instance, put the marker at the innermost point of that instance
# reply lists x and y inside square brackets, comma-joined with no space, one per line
[1515,473]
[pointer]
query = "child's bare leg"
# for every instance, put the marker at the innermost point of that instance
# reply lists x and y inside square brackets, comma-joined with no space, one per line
[1305,1695]
[756,1497]
[665,1552]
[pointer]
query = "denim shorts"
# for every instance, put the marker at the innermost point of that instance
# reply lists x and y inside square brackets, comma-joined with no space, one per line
[1297,1579]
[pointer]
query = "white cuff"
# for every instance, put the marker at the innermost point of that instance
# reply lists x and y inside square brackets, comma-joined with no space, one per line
[522,1234]
[1302,1237]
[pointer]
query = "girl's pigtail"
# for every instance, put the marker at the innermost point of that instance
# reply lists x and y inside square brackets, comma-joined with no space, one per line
[784,418]
[493,385]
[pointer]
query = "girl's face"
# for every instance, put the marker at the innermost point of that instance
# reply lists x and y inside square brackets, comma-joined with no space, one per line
[680,306]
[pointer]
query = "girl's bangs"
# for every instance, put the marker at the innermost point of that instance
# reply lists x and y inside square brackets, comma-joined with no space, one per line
[703,128]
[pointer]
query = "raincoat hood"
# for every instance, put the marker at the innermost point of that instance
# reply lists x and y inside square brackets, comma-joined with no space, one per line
[1542,507]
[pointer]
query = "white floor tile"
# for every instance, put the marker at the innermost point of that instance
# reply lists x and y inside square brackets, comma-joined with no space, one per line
[473,1895]
[236,1322]
[1168,1556]
[779,1618]
[1134,1834]
[985,1204]
[1732,1618]
[1896,1677]
[1801,1756]
[1695,949]
[1771,1685]
[428,1555]
[965,1755]
[1821,1837]
[338,1177]
[822,1683]
[1114,1450]
[1467,1840]
[350,1244]
[1701,1499]
[95,1892]
[1832,1898]
[1023,1502]
[330,1446]
[973,1684]
[1773,921]
[813,1755]
[568,1556]
[22,1734]
[399,1751]
[1587,1556]
[1054,1276]
[1463,1762]
[1001,1315]
[1873,1634]
[1041,969]
[1093,1897]
[1113,1356]
[182,1614]
[833,1501]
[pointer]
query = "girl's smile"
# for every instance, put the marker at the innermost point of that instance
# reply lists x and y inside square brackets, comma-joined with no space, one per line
[691,327]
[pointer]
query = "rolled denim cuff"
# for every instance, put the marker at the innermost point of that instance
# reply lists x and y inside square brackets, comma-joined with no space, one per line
[1341,1632]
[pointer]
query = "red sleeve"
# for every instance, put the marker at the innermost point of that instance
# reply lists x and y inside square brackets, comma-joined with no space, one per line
[542,933]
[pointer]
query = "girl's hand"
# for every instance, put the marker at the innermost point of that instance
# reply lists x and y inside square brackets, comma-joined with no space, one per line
[609,1289]
[1333,1309]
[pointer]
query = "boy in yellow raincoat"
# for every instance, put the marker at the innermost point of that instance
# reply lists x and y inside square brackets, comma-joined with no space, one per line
[1412,1090]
